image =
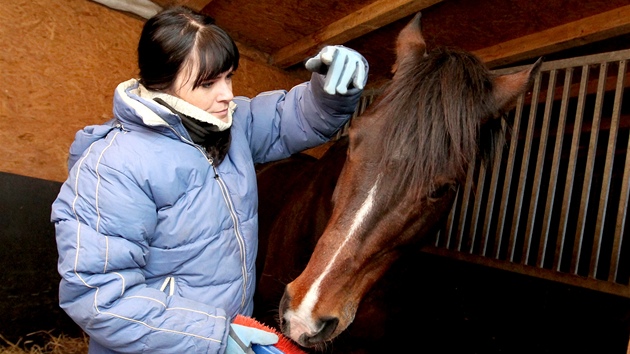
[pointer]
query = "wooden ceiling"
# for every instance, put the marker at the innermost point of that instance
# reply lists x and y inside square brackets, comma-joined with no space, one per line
[502,32]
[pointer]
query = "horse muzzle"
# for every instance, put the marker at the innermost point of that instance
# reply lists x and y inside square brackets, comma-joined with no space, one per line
[305,330]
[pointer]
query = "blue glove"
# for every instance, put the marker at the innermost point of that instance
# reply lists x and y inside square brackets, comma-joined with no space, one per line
[241,339]
[344,68]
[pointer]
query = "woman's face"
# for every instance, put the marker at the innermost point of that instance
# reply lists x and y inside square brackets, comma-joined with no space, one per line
[213,96]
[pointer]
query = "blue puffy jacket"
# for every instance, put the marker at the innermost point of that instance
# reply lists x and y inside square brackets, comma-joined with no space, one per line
[156,247]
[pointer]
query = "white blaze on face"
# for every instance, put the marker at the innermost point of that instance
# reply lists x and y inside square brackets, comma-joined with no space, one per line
[300,319]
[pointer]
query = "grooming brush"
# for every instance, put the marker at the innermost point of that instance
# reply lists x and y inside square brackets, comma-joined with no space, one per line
[284,345]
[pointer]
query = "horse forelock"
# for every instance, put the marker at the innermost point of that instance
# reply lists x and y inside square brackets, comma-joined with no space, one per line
[434,108]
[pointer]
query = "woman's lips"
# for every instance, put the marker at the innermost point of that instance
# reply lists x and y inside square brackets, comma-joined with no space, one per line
[220,114]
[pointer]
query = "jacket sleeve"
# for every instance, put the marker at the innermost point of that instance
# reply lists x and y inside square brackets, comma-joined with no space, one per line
[280,123]
[103,289]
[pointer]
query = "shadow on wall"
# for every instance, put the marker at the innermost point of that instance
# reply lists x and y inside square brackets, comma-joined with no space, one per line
[29,281]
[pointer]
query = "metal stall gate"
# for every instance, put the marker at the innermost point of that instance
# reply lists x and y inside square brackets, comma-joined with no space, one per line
[555,202]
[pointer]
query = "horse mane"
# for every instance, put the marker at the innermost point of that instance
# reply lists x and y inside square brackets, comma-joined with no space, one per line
[440,117]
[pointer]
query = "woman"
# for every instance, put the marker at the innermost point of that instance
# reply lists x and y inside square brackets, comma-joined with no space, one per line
[156,225]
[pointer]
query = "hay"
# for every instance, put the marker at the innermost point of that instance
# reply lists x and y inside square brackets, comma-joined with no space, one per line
[55,345]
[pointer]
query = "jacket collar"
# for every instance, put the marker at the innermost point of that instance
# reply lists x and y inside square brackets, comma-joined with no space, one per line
[141,100]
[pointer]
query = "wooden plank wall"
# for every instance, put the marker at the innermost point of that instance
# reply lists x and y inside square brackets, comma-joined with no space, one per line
[61,61]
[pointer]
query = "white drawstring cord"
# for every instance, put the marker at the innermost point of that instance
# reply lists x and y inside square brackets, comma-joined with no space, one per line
[169,281]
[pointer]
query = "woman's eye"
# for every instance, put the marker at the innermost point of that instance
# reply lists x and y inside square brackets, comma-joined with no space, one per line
[207,84]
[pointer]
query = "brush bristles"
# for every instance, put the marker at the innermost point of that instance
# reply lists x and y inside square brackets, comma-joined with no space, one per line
[286,345]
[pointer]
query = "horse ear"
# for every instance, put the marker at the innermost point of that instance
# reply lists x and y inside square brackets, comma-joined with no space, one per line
[508,87]
[409,40]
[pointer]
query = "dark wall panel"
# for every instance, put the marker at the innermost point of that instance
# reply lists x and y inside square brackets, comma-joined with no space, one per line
[29,280]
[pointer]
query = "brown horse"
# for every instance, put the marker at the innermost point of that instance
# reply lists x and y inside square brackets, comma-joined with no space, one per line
[394,178]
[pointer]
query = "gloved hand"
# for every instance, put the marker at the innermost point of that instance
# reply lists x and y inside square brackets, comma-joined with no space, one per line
[344,68]
[241,339]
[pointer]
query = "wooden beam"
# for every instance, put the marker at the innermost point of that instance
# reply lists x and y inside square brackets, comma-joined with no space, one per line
[251,53]
[542,273]
[365,20]
[196,5]
[142,8]
[587,30]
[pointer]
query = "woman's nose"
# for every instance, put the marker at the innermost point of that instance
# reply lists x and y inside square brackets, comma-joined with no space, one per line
[226,90]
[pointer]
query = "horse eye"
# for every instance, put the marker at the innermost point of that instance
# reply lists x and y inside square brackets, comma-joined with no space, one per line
[440,191]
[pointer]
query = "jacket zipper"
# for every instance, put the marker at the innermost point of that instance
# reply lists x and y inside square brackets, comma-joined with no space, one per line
[228,201]
[120,126]
[239,237]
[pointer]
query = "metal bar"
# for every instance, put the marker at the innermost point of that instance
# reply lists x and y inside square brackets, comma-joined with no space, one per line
[464,210]
[450,222]
[520,103]
[438,235]
[555,163]
[540,163]
[621,220]
[524,167]
[492,192]
[608,167]
[588,173]
[586,60]
[474,219]
[568,187]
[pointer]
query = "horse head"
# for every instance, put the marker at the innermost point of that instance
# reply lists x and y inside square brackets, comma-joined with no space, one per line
[406,158]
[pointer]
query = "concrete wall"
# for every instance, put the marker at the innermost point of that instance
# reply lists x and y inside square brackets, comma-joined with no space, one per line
[60,63]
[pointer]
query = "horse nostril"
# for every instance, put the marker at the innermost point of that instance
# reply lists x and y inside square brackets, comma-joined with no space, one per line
[284,305]
[329,325]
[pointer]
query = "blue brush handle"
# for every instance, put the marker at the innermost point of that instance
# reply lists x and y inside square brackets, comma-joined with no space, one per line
[266,349]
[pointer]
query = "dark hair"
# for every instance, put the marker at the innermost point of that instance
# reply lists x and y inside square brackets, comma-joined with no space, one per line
[174,36]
